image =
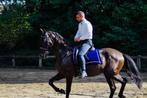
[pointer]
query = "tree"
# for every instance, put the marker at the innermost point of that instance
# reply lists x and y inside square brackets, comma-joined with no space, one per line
[117,23]
[14,25]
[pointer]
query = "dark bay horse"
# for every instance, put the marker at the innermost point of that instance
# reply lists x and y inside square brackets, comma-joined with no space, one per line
[113,61]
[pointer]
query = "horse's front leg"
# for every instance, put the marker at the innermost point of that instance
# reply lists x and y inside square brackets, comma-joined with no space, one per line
[57,77]
[69,79]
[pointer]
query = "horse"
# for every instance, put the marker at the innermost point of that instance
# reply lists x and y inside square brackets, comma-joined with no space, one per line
[113,62]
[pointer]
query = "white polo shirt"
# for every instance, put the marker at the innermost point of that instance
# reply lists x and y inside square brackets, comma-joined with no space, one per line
[85,30]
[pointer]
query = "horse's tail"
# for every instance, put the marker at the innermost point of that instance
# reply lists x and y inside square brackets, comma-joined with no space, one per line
[133,71]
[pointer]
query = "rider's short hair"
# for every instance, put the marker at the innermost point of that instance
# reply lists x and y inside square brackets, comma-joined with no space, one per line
[81,13]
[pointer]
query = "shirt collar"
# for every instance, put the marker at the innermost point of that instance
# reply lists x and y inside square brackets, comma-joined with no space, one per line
[83,21]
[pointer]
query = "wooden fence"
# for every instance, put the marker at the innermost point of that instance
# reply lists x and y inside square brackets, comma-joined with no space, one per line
[14,57]
[138,59]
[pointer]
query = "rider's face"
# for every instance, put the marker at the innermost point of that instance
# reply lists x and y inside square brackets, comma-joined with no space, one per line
[79,18]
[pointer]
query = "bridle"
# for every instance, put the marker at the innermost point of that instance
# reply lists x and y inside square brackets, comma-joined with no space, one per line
[51,38]
[44,49]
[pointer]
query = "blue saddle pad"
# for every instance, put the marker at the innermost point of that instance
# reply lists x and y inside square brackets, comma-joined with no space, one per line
[91,57]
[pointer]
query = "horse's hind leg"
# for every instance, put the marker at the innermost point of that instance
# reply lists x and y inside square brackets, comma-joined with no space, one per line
[111,85]
[123,81]
[56,78]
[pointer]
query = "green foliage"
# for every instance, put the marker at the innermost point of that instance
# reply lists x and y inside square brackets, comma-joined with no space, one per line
[14,26]
[117,23]
[122,28]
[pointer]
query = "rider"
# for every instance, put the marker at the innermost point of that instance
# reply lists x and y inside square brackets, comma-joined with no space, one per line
[84,37]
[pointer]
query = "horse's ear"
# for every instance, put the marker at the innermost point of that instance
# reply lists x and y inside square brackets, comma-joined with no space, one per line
[42,31]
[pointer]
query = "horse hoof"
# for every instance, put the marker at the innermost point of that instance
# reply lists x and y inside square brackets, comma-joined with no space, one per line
[122,96]
[62,91]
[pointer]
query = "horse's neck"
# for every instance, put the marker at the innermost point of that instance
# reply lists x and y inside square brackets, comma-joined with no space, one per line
[56,50]
[60,49]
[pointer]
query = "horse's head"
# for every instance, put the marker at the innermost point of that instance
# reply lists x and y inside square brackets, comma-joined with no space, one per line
[49,39]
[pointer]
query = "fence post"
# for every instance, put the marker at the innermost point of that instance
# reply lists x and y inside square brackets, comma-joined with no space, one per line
[139,61]
[40,62]
[13,61]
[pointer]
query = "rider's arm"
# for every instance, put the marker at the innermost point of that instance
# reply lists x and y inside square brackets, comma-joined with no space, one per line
[77,36]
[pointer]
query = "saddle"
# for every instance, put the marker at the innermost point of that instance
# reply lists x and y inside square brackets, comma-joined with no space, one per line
[91,57]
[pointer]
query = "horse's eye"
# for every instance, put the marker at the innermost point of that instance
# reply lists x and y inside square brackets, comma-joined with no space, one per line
[42,36]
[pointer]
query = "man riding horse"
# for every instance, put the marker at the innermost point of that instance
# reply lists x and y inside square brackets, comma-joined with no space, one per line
[83,37]
[113,60]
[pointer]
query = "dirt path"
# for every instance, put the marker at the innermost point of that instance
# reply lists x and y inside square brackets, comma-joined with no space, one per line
[16,83]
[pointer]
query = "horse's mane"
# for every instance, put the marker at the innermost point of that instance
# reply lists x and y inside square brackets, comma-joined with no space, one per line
[58,37]
[56,34]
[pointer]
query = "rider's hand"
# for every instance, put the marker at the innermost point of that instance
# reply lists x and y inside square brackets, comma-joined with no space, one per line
[77,39]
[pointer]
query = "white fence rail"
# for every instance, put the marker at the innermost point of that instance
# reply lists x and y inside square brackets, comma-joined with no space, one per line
[138,59]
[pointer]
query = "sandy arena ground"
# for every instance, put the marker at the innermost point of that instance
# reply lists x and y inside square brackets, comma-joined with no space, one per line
[18,83]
